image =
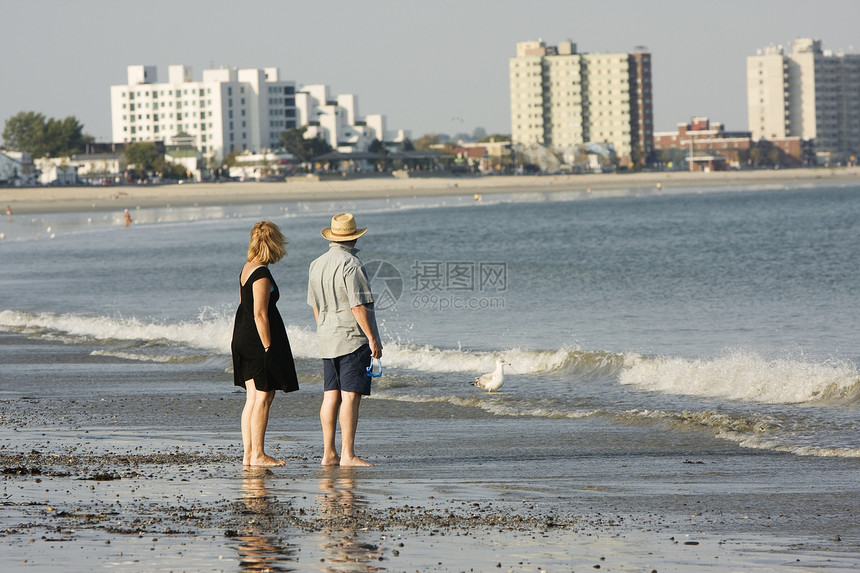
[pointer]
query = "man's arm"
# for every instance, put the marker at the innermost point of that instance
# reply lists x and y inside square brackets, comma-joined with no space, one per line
[367,322]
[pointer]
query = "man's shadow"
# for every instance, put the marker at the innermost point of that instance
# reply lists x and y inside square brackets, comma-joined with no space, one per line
[341,510]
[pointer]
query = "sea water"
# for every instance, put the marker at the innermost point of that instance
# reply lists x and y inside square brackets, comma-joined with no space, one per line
[729,315]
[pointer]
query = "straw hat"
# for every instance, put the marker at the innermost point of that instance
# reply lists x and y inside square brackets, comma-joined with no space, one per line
[343,229]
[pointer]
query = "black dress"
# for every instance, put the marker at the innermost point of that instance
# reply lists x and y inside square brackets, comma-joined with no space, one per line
[272,370]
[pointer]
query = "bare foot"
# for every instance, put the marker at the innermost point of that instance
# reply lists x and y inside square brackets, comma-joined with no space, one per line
[267,461]
[330,461]
[354,462]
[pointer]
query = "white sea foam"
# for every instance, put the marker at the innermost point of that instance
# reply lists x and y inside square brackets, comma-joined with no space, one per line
[212,332]
[774,444]
[738,376]
[491,405]
[431,359]
[745,377]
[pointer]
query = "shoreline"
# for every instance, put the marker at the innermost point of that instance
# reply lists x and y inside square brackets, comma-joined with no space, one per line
[68,199]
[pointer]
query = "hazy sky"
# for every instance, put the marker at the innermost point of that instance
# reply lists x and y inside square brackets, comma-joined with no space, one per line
[430,66]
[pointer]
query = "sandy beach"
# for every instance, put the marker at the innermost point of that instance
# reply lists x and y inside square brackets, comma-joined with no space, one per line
[80,491]
[58,199]
[119,424]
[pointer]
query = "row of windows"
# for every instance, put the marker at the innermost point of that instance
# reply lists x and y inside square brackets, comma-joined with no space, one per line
[145,105]
[286,90]
[155,94]
[154,117]
[285,101]
[282,112]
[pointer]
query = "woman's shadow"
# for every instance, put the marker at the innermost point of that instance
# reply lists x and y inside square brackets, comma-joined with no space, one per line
[260,548]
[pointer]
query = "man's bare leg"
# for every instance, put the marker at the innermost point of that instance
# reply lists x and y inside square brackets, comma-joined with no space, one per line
[255,419]
[328,420]
[348,425]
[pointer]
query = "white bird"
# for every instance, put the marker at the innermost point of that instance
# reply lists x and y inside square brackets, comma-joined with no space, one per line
[493,380]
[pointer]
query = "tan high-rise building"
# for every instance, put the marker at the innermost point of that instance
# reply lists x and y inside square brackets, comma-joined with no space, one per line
[811,93]
[561,98]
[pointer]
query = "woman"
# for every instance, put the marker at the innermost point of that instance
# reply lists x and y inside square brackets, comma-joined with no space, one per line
[262,358]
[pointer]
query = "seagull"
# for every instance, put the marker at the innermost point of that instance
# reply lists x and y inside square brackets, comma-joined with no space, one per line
[493,380]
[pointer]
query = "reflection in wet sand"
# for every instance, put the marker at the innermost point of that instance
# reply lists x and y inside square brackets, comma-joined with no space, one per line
[261,548]
[341,508]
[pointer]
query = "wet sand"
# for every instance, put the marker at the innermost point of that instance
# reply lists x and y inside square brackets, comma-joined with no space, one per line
[60,199]
[137,479]
[192,508]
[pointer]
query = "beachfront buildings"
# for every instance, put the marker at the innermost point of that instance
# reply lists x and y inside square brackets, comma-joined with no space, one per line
[811,93]
[562,99]
[705,145]
[338,122]
[230,110]
[235,110]
[16,168]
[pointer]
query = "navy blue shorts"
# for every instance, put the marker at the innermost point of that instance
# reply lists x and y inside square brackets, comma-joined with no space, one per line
[348,373]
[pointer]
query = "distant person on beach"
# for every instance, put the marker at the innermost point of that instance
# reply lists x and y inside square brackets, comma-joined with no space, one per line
[9,212]
[127,217]
[262,357]
[339,292]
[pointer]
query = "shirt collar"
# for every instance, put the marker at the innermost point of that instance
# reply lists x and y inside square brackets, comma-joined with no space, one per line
[350,250]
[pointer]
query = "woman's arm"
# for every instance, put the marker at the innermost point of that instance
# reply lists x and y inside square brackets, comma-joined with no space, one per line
[262,288]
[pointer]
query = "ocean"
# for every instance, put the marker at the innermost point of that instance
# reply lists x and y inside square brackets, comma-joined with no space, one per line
[735,310]
[680,328]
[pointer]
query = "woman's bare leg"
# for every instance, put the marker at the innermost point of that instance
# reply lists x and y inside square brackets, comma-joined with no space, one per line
[255,419]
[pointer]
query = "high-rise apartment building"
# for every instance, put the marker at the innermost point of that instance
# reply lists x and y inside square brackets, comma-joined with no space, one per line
[811,93]
[561,98]
[229,110]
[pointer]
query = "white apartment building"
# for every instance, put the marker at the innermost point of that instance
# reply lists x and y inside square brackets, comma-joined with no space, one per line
[228,111]
[338,122]
[811,93]
[234,110]
[562,99]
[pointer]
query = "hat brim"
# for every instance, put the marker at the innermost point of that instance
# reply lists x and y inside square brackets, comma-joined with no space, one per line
[327,234]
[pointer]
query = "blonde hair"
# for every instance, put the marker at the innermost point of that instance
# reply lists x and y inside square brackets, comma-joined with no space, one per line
[267,243]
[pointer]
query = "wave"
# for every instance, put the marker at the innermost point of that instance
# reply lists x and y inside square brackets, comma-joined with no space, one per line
[211,331]
[546,384]
[493,404]
[747,377]
[751,430]
[522,361]
[143,357]
[738,376]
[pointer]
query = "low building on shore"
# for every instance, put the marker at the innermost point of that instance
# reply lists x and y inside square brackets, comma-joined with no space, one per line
[708,146]
[57,171]
[16,169]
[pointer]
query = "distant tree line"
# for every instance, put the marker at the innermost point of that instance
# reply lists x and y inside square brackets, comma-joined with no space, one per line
[145,158]
[45,137]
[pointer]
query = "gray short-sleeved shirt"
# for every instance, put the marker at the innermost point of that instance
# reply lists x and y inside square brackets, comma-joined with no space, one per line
[337,282]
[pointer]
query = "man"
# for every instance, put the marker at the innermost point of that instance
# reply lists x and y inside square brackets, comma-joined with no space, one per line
[339,292]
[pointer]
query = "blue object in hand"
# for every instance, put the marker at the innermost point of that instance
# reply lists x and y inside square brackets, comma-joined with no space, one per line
[374,370]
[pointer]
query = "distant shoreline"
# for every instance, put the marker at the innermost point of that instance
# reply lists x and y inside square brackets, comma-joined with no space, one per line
[112,198]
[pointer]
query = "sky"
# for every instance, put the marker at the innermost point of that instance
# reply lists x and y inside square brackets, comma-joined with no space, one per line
[429,66]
